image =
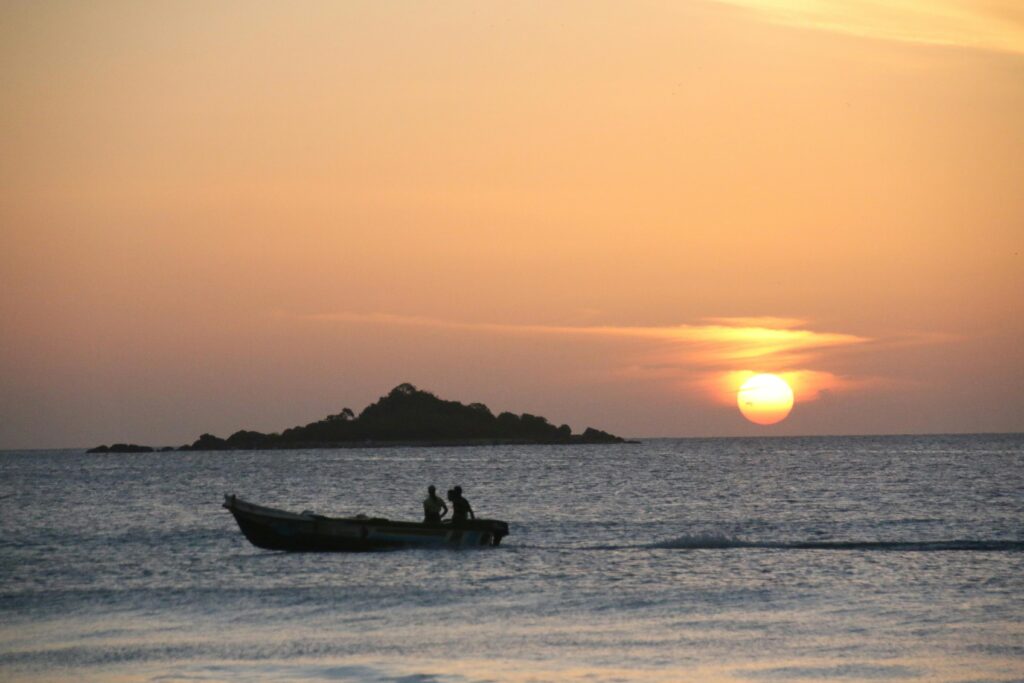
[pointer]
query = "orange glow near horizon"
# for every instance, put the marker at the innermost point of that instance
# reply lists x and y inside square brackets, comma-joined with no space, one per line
[702,348]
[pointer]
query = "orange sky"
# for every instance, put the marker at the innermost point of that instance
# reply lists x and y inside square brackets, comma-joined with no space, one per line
[250,215]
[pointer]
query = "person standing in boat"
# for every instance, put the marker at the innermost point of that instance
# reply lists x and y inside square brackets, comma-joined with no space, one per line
[460,506]
[433,507]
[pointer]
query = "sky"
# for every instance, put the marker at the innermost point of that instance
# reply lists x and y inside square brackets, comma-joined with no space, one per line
[249,215]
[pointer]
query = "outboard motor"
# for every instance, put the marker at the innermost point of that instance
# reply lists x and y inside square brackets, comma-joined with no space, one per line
[498,532]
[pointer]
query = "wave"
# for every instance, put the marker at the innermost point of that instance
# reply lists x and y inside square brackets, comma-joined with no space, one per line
[717,542]
[722,542]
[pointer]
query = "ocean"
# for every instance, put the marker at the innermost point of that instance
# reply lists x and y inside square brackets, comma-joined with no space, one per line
[897,558]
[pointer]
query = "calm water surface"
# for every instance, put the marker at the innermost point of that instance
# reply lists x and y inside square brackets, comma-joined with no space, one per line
[814,559]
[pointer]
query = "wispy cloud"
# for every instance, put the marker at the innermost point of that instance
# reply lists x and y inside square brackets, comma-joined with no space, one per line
[715,354]
[714,341]
[996,25]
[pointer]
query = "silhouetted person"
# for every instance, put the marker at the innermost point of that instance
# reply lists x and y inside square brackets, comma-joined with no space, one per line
[460,506]
[433,507]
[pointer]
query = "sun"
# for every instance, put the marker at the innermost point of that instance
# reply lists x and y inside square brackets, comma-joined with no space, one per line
[765,399]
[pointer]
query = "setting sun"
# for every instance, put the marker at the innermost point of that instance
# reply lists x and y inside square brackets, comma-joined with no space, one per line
[765,399]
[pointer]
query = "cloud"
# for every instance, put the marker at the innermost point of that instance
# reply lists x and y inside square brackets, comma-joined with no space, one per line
[996,25]
[714,341]
[714,355]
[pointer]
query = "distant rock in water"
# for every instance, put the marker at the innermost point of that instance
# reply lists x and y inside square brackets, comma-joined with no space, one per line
[409,416]
[121,448]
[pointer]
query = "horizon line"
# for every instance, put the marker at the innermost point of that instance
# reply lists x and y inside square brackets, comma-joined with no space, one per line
[641,438]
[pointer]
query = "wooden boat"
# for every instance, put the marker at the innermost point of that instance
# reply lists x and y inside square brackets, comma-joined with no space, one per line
[307,532]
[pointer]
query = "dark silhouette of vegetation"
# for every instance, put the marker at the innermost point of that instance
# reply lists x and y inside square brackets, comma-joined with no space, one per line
[408,415]
[122,448]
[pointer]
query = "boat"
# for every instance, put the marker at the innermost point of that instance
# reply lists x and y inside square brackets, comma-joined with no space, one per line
[274,529]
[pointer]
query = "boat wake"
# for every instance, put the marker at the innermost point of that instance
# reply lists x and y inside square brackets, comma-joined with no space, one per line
[716,542]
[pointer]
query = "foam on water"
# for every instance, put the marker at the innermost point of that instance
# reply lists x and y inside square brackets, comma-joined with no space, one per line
[714,542]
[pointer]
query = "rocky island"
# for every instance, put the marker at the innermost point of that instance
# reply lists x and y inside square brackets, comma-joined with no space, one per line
[406,416]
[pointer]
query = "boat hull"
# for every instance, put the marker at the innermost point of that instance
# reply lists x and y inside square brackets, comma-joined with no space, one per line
[274,529]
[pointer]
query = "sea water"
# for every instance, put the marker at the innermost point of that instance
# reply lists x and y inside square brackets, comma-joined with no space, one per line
[808,559]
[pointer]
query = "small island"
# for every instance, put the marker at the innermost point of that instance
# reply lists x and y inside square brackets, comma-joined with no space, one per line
[407,416]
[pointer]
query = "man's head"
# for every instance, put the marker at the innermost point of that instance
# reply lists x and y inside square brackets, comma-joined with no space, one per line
[431,490]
